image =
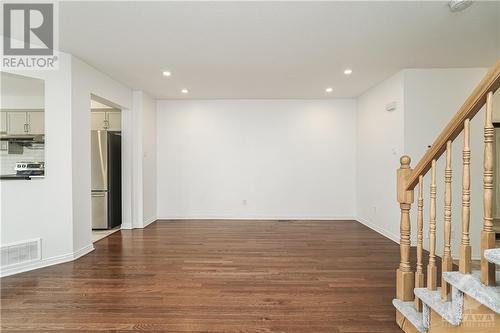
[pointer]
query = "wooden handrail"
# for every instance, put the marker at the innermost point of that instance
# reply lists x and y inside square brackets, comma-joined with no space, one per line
[491,82]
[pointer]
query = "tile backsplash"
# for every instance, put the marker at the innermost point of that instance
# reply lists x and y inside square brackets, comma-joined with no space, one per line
[8,161]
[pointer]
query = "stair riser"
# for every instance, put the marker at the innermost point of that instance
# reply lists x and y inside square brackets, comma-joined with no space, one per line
[404,324]
[476,318]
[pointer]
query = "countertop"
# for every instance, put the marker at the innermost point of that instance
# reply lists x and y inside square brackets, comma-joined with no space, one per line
[18,177]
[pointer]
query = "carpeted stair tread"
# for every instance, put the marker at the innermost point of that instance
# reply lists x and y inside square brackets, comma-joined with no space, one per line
[408,310]
[451,311]
[472,286]
[493,255]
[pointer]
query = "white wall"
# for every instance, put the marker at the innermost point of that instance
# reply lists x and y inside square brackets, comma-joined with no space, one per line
[427,99]
[42,207]
[22,102]
[379,147]
[86,80]
[432,97]
[149,173]
[143,161]
[498,26]
[256,159]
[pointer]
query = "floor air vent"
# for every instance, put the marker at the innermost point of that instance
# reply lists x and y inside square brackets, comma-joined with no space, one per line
[20,252]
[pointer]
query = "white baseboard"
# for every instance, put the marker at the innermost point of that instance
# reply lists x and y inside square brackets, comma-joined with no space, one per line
[261,218]
[46,262]
[126,226]
[149,221]
[83,251]
[383,232]
[395,237]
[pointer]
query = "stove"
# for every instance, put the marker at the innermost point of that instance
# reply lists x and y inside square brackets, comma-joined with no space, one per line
[30,168]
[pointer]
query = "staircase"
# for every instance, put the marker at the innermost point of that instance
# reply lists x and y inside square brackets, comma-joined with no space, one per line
[468,300]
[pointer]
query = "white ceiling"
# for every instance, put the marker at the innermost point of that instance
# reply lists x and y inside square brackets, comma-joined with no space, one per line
[274,49]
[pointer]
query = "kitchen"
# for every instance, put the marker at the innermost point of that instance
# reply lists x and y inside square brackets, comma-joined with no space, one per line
[22,128]
[22,146]
[106,175]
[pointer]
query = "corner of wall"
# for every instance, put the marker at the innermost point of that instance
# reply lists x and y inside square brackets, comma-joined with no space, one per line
[380,142]
[143,127]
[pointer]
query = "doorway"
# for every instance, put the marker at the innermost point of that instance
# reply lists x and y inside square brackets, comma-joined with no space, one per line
[106,166]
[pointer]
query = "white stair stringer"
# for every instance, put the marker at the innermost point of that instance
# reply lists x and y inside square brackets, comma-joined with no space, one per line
[471,285]
[451,311]
[419,320]
[493,255]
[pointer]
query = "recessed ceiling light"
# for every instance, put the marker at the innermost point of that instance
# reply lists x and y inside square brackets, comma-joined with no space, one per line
[166,73]
[329,90]
[184,91]
[348,71]
[458,5]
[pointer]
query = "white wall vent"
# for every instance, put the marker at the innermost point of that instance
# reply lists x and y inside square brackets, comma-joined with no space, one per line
[20,252]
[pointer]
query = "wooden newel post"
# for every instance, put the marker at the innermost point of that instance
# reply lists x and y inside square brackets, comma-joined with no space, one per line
[405,278]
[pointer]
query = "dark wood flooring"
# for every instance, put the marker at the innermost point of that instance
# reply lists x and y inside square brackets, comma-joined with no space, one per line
[215,276]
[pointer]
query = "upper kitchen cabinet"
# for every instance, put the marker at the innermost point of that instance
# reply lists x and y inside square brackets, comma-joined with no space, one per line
[3,123]
[19,122]
[106,120]
[36,122]
[98,120]
[114,120]
[22,105]
[16,123]
[22,126]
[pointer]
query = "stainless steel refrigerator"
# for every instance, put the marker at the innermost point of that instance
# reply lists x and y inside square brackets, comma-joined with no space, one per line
[106,169]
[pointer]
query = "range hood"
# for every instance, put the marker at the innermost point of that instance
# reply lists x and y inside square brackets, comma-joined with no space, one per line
[23,138]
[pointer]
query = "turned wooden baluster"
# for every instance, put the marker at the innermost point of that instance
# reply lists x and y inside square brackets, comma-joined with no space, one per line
[419,274]
[487,234]
[404,276]
[431,267]
[465,249]
[447,262]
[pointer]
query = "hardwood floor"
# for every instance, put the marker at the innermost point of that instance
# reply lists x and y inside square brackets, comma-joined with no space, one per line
[215,276]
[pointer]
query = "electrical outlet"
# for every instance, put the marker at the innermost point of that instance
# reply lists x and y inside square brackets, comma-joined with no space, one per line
[244,202]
